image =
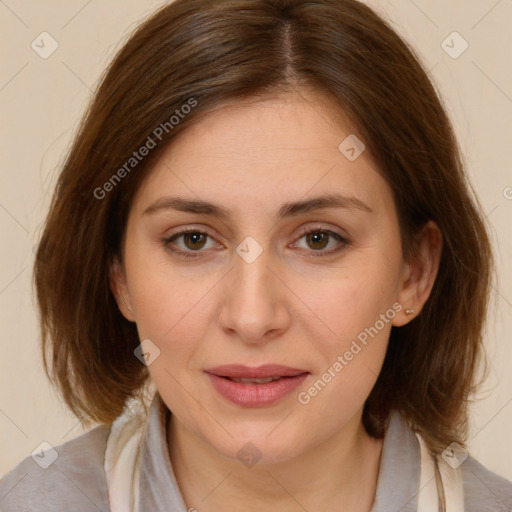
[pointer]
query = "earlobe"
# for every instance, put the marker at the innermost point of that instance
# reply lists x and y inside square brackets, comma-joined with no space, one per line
[119,288]
[420,274]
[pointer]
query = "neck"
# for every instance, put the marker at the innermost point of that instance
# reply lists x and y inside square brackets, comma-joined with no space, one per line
[343,469]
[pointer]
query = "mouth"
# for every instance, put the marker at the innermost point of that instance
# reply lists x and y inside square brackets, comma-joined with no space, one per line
[253,381]
[255,386]
[267,371]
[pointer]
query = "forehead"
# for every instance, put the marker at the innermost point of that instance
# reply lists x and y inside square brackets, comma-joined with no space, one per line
[274,149]
[279,127]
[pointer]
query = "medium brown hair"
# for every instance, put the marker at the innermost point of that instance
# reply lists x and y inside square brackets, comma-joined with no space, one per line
[216,51]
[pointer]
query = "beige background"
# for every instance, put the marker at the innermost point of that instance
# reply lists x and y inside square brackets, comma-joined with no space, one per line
[41,101]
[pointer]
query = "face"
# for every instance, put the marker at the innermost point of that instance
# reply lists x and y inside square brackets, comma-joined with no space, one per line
[266,275]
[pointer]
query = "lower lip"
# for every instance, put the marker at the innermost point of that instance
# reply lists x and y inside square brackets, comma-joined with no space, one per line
[256,395]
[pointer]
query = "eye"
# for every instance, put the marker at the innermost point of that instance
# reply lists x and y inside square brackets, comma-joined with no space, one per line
[193,239]
[317,239]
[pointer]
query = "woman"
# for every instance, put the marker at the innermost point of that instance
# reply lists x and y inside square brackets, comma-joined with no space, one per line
[263,236]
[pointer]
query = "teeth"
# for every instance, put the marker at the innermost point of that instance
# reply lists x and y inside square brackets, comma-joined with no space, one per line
[254,381]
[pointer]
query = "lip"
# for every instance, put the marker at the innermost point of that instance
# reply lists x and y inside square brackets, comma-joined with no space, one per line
[253,394]
[255,372]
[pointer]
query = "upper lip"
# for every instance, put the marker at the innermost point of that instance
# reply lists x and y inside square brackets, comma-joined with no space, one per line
[254,372]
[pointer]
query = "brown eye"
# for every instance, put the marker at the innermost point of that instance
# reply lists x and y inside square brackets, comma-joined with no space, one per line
[189,243]
[194,240]
[317,239]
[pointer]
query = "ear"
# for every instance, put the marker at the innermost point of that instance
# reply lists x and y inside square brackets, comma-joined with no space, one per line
[420,273]
[119,288]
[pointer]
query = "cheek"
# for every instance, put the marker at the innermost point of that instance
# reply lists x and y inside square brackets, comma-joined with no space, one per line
[164,297]
[173,309]
[350,300]
[352,358]
[360,310]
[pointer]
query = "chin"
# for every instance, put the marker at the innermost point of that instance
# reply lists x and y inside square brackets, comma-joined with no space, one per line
[259,445]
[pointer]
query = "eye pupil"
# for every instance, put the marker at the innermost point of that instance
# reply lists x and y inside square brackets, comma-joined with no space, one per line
[318,238]
[195,238]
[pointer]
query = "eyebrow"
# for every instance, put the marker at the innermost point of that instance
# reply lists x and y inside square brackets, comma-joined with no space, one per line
[289,209]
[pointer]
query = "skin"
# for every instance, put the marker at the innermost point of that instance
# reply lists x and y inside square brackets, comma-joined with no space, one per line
[287,307]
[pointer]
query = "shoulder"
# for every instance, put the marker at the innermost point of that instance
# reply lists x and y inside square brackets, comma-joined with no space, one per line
[65,477]
[485,491]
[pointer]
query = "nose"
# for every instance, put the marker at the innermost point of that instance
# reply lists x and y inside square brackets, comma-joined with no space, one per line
[255,305]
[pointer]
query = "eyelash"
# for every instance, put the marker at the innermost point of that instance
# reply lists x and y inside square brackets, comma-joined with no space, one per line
[166,242]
